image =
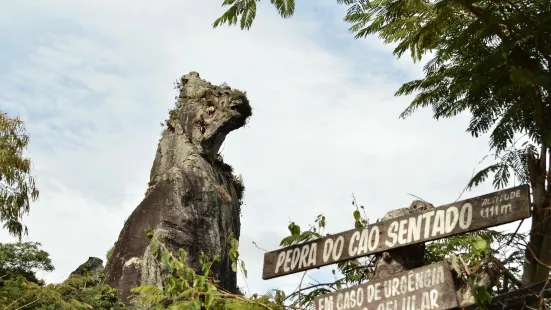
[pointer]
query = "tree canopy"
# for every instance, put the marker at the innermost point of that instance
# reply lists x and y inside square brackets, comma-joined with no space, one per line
[17,186]
[20,288]
[23,260]
[492,59]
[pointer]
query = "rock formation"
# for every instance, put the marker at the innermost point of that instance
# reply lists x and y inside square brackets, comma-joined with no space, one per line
[93,264]
[404,258]
[193,201]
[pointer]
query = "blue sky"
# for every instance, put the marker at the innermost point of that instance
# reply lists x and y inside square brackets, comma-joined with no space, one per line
[93,80]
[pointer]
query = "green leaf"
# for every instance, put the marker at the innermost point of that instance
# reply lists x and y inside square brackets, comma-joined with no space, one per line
[233,254]
[482,296]
[520,76]
[339,285]
[234,244]
[209,298]
[285,8]
[357,215]
[294,229]
[482,175]
[165,259]
[480,245]
[243,268]
[289,240]
[181,253]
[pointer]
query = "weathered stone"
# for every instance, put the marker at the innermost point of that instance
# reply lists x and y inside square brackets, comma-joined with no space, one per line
[193,200]
[405,258]
[93,264]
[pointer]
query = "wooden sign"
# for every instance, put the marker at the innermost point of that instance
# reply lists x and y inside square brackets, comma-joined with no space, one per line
[485,211]
[426,288]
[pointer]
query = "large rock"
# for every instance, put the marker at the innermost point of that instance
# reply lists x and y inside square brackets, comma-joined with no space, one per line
[93,264]
[193,200]
[404,258]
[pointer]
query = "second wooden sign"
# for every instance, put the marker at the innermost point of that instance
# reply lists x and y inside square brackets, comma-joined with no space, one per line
[426,288]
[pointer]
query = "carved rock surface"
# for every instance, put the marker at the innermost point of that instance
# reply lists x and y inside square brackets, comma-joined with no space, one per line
[193,200]
[404,258]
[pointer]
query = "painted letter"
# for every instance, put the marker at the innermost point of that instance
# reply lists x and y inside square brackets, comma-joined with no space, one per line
[364,241]
[414,228]
[402,231]
[433,299]
[392,229]
[351,248]
[312,256]
[373,238]
[280,260]
[337,248]
[427,216]
[296,257]
[304,257]
[327,249]
[452,216]
[466,219]
[439,222]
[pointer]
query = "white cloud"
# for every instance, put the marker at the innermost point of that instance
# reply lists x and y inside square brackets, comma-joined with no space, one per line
[94,79]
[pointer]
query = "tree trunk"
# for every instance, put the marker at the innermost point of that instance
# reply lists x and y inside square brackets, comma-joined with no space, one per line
[538,251]
[193,200]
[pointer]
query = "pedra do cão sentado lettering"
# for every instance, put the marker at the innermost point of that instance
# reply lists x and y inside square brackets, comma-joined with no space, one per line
[373,238]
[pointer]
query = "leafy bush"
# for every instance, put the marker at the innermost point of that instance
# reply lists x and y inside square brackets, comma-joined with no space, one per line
[20,288]
[185,289]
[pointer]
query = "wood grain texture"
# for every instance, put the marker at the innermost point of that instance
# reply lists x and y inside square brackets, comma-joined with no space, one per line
[429,288]
[468,215]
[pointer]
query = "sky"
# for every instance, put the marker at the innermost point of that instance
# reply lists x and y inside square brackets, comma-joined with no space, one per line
[93,80]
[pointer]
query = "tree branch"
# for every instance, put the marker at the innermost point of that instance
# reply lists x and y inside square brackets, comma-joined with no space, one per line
[506,272]
[310,287]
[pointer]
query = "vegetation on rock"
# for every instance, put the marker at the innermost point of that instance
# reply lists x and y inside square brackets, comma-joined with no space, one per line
[184,288]
[490,58]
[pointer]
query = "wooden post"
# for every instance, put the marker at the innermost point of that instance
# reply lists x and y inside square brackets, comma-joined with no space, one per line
[405,258]
[458,217]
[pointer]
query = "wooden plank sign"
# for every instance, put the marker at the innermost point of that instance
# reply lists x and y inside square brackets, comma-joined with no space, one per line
[426,288]
[485,211]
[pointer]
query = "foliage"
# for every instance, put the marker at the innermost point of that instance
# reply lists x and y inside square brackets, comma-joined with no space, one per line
[90,290]
[244,12]
[17,186]
[110,253]
[20,289]
[76,293]
[23,260]
[183,288]
[473,248]
[482,296]
[491,59]
[20,293]
[513,159]
[297,236]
